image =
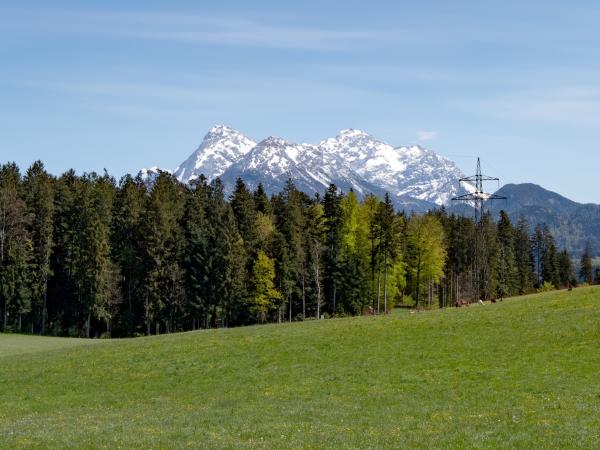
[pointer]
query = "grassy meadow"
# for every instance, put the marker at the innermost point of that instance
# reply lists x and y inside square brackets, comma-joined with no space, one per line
[524,373]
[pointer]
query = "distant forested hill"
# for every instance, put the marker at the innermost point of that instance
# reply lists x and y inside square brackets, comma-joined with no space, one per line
[572,224]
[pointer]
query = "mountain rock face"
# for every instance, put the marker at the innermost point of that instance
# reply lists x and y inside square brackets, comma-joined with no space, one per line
[403,171]
[221,147]
[417,179]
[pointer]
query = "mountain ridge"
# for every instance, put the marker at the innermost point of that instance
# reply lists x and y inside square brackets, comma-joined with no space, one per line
[417,179]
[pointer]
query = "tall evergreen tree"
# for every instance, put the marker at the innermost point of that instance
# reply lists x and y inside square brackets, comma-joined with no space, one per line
[39,195]
[332,229]
[586,267]
[244,209]
[196,252]
[524,258]
[225,261]
[128,250]
[162,233]
[16,251]
[506,267]
[566,273]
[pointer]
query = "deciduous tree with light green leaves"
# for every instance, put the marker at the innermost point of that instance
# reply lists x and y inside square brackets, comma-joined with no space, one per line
[426,251]
[265,298]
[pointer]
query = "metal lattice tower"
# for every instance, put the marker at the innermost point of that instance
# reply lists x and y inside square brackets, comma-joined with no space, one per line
[479,197]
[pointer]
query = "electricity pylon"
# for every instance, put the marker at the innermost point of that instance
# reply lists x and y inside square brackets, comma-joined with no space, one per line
[479,197]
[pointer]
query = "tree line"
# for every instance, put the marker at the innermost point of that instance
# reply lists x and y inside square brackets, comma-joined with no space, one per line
[90,256]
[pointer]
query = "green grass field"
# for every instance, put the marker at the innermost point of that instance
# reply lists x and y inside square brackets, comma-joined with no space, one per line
[521,374]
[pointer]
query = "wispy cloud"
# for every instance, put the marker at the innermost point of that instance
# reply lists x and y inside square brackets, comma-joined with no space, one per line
[575,104]
[426,135]
[241,31]
[227,93]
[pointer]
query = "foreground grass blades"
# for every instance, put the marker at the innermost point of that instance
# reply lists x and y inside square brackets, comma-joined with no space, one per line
[523,373]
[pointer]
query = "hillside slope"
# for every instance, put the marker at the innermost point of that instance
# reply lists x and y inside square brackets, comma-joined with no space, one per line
[520,374]
[573,224]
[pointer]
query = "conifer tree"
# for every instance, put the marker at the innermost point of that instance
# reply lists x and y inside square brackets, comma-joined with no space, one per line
[244,209]
[586,268]
[506,267]
[332,242]
[39,194]
[524,258]
[566,273]
[95,275]
[261,200]
[196,252]
[15,250]
[225,261]
[291,219]
[162,233]
[128,250]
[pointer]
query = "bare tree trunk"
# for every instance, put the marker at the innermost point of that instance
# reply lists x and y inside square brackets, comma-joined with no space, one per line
[303,299]
[318,286]
[45,308]
[378,286]
[418,279]
[88,324]
[385,284]
[334,296]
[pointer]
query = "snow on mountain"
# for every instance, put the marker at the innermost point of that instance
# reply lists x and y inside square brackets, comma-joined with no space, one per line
[416,178]
[150,175]
[403,171]
[221,147]
[275,160]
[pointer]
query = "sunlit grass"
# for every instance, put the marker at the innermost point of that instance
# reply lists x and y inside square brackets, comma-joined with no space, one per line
[522,373]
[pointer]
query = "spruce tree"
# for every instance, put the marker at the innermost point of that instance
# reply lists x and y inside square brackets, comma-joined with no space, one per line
[162,234]
[196,252]
[39,195]
[128,250]
[225,261]
[332,229]
[16,252]
[586,267]
[566,273]
[524,258]
[506,267]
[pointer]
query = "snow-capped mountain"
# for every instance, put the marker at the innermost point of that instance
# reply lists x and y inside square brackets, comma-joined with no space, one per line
[275,160]
[403,171]
[416,178]
[221,147]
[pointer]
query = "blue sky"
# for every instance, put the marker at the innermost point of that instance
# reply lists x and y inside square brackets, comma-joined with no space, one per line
[123,85]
